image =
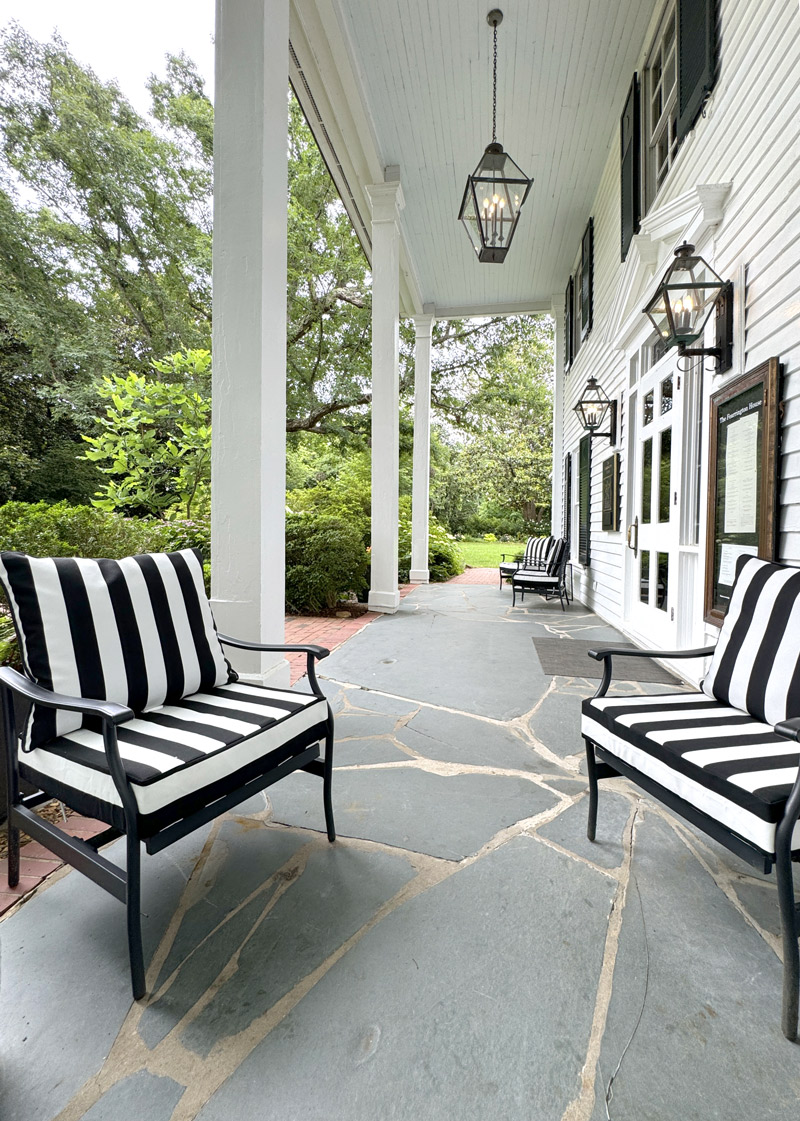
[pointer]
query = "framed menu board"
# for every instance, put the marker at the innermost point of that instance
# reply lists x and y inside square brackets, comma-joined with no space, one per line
[743,480]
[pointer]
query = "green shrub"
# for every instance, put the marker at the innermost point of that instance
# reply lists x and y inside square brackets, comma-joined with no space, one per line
[326,561]
[444,557]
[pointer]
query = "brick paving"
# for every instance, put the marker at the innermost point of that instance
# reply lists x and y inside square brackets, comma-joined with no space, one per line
[37,862]
[476,576]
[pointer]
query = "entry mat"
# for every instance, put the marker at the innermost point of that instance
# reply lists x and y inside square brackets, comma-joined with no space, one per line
[569,657]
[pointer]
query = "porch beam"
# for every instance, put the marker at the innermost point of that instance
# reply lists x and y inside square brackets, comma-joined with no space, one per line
[420,493]
[248,470]
[387,202]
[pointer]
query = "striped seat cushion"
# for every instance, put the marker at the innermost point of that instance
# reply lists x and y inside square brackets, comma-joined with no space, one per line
[756,663]
[177,754]
[137,631]
[537,551]
[718,758]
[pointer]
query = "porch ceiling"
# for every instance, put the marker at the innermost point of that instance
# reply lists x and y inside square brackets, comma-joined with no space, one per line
[408,83]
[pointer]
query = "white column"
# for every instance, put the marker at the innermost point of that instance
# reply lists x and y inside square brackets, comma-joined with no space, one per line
[387,201]
[420,493]
[248,469]
[556,515]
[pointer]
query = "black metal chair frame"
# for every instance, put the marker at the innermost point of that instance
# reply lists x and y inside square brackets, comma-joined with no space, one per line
[549,587]
[125,884]
[602,763]
[519,561]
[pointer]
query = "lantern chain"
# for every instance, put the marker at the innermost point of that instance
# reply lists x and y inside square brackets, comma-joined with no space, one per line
[494,89]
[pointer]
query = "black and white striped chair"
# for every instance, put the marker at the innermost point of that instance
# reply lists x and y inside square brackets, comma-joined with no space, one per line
[548,580]
[726,759]
[534,557]
[132,714]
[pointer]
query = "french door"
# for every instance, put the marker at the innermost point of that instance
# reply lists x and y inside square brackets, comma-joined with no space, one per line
[653,535]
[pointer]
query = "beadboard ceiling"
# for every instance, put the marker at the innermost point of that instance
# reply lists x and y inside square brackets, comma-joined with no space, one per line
[408,83]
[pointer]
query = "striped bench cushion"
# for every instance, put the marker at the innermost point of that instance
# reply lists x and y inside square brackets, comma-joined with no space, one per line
[174,753]
[718,758]
[756,663]
[137,631]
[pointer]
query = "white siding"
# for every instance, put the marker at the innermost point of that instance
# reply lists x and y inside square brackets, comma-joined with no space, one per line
[749,137]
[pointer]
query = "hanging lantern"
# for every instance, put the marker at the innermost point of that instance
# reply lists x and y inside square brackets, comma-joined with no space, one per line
[496,189]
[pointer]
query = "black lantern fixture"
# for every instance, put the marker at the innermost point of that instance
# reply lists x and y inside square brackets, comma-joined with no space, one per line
[593,407]
[496,189]
[684,300]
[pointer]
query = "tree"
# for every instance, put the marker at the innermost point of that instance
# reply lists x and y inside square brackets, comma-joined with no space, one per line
[122,215]
[155,443]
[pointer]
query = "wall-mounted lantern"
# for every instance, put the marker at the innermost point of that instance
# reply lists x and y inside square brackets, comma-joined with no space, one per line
[593,408]
[684,301]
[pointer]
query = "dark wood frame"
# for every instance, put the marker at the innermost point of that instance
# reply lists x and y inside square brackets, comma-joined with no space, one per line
[768,376]
[610,492]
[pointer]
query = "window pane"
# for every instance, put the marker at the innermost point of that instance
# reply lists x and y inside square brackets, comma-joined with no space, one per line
[666,395]
[647,479]
[662,589]
[644,577]
[664,475]
[647,407]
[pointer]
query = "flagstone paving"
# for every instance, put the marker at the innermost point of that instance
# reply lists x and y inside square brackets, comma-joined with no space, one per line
[461,952]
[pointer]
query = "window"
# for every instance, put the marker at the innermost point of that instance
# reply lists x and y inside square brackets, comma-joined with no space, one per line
[584,493]
[663,105]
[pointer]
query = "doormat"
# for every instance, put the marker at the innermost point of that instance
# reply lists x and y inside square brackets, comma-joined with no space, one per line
[569,657]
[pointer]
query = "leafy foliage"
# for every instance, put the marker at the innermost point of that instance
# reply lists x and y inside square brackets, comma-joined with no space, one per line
[155,440]
[325,561]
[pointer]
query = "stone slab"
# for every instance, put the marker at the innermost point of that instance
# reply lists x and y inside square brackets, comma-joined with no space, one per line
[446,1010]
[711,1004]
[450,817]
[463,739]
[569,830]
[142,1095]
[66,980]
[446,660]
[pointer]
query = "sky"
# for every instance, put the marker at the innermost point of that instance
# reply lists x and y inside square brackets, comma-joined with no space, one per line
[125,42]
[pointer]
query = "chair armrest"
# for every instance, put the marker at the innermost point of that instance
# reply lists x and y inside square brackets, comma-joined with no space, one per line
[790,729]
[606,653]
[311,653]
[108,710]
[291,648]
[625,652]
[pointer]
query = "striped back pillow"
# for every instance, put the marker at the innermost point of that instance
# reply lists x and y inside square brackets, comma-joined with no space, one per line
[138,631]
[756,663]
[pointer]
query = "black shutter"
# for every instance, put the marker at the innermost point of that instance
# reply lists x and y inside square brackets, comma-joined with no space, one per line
[566,530]
[587,269]
[696,59]
[568,327]
[630,166]
[584,488]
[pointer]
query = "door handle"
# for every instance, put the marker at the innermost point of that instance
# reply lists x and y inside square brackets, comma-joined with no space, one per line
[633,536]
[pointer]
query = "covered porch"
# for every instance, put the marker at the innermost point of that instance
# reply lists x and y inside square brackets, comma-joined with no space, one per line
[461,951]
[399,98]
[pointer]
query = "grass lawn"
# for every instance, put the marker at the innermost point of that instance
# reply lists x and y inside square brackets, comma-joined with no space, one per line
[486,554]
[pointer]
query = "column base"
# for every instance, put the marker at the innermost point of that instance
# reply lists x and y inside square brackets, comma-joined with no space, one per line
[277,676]
[419,576]
[387,602]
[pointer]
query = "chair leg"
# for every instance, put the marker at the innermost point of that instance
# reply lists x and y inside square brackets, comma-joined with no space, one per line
[591,767]
[12,790]
[327,781]
[790,928]
[134,910]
